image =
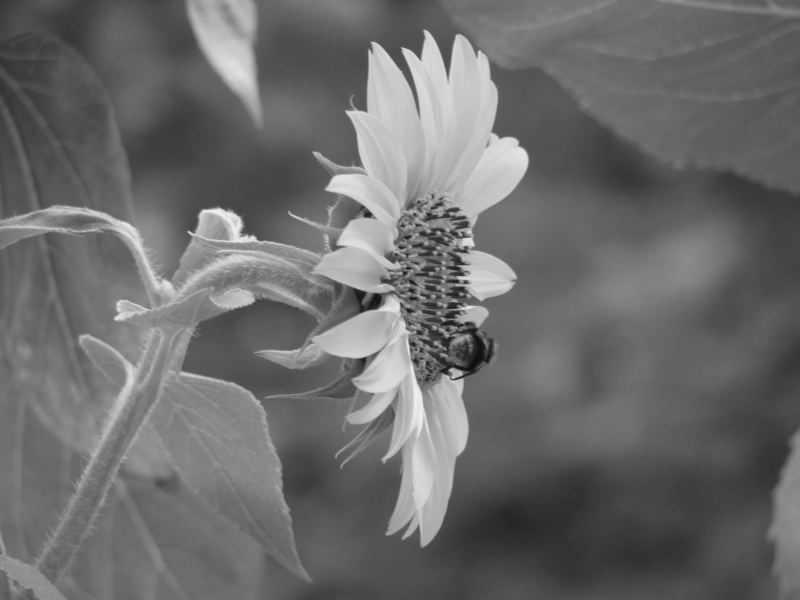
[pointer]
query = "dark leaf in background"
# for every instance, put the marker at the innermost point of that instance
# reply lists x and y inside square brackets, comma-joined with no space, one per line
[711,83]
[59,145]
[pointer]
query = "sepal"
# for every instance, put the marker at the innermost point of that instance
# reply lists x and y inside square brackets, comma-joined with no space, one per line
[215,224]
[300,358]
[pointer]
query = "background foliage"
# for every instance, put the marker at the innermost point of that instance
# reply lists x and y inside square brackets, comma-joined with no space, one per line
[628,439]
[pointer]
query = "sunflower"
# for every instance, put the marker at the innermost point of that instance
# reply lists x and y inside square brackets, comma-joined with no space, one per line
[430,167]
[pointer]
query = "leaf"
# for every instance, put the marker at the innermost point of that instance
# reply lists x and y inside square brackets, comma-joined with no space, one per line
[156,544]
[29,578]
[217,436]
[150,543]
[226,32]
[785,528]
[74,220]
[59,146]
[706,82]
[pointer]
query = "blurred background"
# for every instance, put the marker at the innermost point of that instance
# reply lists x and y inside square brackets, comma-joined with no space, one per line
[626,442]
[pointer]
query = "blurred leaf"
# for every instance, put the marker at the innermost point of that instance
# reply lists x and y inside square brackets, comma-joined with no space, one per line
[59,145]
[785,529]
[217,436]
[29,578]
[706,82]
[226,32]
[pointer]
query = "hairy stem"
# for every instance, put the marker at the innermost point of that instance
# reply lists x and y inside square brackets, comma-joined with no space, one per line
[132,407]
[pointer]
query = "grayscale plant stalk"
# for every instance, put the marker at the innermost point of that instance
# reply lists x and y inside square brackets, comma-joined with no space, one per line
[132,407]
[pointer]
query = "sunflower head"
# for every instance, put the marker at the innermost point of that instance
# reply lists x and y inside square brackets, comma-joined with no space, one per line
[401,238]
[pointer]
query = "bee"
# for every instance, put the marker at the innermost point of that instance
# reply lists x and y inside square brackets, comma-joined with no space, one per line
[468,351]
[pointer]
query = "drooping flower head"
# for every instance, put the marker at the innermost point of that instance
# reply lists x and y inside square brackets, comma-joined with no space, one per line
[431,165]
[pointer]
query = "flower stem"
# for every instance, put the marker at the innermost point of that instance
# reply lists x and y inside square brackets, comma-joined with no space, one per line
[133,405]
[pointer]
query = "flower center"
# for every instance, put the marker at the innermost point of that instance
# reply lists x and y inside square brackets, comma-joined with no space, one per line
[431,279]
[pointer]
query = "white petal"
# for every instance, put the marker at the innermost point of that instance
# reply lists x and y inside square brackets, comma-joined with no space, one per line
[355,268]
[488,275]
[434,63]
[432,514]
[498,172]
[463,143]
[361,336]
[474,314]
[409,414]
[371,236]
[479,113]
[423,471]
[372,409]
[404,510]
[451,414]
[381,154]
[387,369]
[389,97]
[371,193]
[431,118]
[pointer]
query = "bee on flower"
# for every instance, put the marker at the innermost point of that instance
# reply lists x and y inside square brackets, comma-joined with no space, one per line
[431,165]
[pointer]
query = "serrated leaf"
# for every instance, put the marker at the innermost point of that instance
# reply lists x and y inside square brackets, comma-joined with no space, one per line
[226,33]
[29,578]
[217,436]
[711,83]
[59,146]
[149,543]
[157,544]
